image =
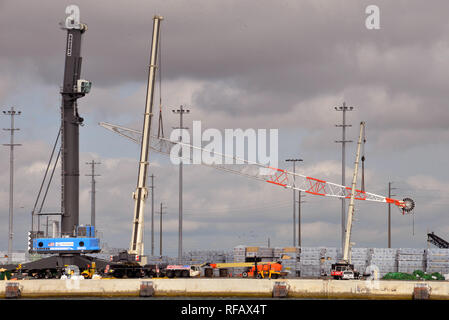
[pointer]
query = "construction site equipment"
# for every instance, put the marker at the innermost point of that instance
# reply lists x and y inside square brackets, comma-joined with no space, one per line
[136,247]
[344,269]
[140,195]
[283,178]
[262,172]
[264,270]
[183,271]
[437,241]
[73,238]
[91,272]
[231,265]
[68,247]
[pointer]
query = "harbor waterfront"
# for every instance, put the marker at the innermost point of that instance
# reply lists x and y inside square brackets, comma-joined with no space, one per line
[252,288]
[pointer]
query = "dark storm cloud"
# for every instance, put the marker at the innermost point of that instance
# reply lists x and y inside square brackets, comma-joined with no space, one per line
[300,46]
[253,56]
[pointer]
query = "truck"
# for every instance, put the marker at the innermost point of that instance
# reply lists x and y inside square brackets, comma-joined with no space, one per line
[343,271]
[182,271]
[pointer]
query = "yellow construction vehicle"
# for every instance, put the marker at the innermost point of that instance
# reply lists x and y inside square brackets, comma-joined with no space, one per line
[264,269]
[90,272]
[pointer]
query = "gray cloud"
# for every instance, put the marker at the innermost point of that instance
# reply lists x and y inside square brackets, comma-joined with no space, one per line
[253,64]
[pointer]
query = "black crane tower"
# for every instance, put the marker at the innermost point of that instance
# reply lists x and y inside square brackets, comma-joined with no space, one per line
[75,240]
[72,89]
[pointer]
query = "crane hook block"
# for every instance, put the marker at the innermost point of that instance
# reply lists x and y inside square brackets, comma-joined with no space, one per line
[409,205]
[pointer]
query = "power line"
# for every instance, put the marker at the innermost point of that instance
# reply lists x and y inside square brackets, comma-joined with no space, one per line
[93,191]
[294,199]
[160,228]
[181,112]
[152,214]
[11,145]
[389,213]
[299,217]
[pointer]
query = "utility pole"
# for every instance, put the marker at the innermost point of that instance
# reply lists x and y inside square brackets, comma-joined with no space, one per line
[160,230]
[389,213]
[294,200]
[299,217]
[11,145]
[181,112]
[152,214]
[343,142]
[92,192]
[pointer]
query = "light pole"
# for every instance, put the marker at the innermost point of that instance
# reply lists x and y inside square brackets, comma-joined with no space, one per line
[93,191]
[181,112]
[160,230]
[294,200]
[343,142]
[11,113]
[299,217]
[152,214]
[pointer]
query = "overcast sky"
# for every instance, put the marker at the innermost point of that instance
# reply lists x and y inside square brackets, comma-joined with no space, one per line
[237,64]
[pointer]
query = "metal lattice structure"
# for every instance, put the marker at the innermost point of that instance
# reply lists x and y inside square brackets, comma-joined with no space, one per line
[254,170]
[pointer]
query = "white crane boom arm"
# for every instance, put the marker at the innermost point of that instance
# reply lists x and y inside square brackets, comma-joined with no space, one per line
[262,172]
[347,242]
[140,195]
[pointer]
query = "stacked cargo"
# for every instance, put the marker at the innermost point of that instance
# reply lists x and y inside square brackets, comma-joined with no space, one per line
[437,261]
[252,252]
[310,262]
[328,256]
[410,259]
[239,254]
[384,258]
[359,258]
[277,252]
[17,257]
[288,258]
[266,254]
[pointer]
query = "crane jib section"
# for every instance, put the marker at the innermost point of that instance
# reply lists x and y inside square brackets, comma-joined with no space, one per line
[320,187]
[276,176]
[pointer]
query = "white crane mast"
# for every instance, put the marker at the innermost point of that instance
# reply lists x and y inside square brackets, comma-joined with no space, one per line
[349,219]
[141,193]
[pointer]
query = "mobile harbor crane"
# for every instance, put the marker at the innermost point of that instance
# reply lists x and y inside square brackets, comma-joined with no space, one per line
[70,246]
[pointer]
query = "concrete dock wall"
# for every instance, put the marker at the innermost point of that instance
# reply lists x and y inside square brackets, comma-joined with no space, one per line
[297,288]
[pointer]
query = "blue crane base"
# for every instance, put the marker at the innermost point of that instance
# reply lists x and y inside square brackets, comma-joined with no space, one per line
[66,245]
